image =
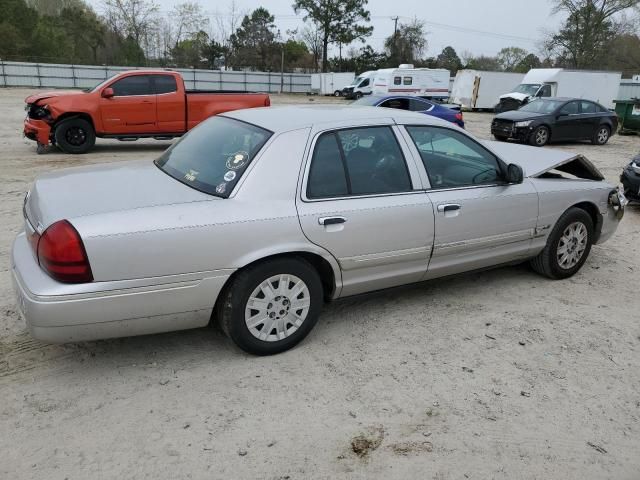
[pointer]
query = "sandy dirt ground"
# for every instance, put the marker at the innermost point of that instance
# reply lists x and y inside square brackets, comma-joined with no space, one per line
[501,374]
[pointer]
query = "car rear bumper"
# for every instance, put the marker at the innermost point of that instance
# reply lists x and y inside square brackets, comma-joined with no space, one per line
[37,130]
[110,312]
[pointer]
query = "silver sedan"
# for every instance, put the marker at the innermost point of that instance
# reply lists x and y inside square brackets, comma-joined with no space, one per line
[257,217]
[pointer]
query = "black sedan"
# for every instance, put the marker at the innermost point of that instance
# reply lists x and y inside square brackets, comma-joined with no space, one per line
[556,119]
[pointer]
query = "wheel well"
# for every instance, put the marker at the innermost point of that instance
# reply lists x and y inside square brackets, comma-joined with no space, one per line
[68,115]
[595,215]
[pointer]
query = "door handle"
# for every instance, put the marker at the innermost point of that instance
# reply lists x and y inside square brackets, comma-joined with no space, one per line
[331,220]
[448,207]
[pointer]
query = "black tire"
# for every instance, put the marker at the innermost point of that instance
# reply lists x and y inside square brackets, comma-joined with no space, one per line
[501,138]
[75,135]
[358,95]
[540,136]
[601,135]
[546,263]
[337,93]
[230,309]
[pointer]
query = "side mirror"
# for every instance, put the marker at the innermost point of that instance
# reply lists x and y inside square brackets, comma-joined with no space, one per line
[514,173]
[108,92]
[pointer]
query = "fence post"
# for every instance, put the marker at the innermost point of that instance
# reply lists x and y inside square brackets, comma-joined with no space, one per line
[73,75]
[106,72]
[220,85]
[38,75]
[4,74]
[194,78]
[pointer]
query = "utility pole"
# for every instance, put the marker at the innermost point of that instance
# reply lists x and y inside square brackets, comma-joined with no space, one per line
[395,35]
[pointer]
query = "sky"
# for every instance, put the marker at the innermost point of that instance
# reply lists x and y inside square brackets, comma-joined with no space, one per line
[476,26]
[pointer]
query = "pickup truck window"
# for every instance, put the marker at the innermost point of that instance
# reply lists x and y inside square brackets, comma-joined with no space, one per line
[165,84]
[213,156]
[133,85]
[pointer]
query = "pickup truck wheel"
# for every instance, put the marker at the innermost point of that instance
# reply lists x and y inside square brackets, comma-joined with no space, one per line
[601,136]
[75,135]
[539,137]
[568,245]
[270,307]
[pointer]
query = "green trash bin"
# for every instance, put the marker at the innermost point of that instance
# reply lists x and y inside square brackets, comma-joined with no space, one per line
[628,112]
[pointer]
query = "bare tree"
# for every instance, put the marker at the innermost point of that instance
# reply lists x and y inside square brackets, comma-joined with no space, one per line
[225,26]
[311,35]
[136,19]
[188,19]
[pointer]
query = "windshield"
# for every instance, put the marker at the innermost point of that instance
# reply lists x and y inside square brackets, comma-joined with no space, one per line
[527,88]
[356,81]
[541,106]
[213,156]
[103,82]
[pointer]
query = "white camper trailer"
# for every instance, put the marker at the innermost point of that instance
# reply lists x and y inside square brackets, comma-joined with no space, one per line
[601,87]
[330,83]
[425,82]
[475,89]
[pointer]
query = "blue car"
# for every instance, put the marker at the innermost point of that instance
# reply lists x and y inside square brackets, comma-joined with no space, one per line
[451,113]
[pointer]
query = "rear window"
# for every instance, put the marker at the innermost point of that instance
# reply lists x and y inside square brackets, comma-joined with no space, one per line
[165,84]
[212,157]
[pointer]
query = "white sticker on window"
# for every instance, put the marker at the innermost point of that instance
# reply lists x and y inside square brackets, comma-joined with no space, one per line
[221,188]
[191,175]
[237,160]
[230,176]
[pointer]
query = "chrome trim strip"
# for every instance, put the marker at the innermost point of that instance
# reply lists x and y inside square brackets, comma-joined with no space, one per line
[485,242]
[386,258]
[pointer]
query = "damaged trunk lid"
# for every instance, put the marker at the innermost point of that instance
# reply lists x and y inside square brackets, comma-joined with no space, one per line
[536,161]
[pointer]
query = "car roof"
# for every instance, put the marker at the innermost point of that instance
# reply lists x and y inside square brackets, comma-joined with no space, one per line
[292,117]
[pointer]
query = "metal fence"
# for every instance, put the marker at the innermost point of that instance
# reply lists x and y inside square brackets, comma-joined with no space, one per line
[53,75]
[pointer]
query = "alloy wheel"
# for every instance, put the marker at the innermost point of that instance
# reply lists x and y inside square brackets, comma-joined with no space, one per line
[603,136]
[572,245]
[277,307]
[75,136]
[542,136]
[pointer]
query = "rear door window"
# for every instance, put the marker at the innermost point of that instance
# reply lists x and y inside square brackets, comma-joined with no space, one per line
[570,108]
[165,84]
[372,163]
[588,107]
[213,156]
[399,103]
[419,105]
[133,85]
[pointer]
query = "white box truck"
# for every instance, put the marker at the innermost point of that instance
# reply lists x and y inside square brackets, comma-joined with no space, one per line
[601,87]
[479,90]
[330,83]
[407,80]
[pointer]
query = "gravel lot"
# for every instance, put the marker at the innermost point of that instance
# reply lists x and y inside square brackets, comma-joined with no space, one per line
[501,374]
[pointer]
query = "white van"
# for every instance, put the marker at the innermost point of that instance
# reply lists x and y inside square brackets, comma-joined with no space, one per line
[426,82]
[360,86]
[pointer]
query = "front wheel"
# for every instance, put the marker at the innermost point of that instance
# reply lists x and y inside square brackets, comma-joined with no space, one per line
[75,135]
[270,307]
[568,245]
[601,136]
[358,95]
[539,137]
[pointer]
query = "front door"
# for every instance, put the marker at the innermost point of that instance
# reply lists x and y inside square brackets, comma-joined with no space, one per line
[362,200]
[132,109]
[568,122]
[480,220]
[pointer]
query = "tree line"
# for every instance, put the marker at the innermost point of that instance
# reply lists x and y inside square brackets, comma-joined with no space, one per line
[597,34]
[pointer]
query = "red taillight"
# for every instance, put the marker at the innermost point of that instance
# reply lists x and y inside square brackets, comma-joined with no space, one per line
[62,255]
[267,102]
[459,116]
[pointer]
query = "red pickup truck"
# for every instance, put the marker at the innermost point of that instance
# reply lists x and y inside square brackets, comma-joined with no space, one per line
[128,106]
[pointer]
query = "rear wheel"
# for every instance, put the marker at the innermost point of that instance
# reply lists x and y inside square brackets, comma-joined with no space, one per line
[337,93]
[270,307]
[75,135]
[539,137]
[568,245]
[601,136]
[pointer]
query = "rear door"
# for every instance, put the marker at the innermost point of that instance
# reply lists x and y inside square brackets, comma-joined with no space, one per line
[362,200]
[170,104]
[480,220]
[589,118]
[132,109]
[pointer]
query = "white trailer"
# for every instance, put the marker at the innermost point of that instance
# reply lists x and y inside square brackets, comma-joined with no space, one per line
[476,89]
[406,80]
[601,87]
[330,83]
